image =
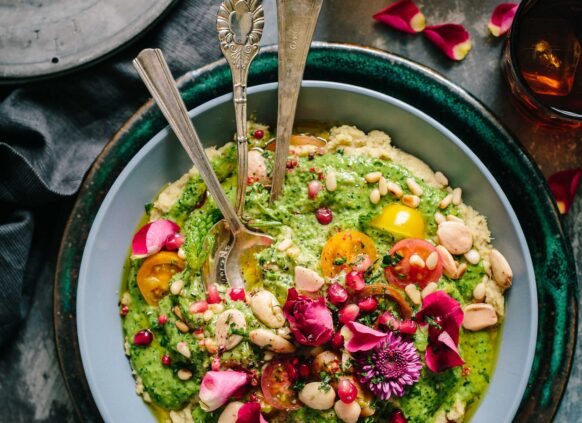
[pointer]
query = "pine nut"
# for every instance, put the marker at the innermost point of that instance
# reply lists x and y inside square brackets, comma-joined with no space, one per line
[429,289]
[414,187]
[331,181]
[375,196]
[181,253]
[441,178]
[216,308]
[208,315]
[417,261]
[449,264]
[268,356]
[457,193]
[383,186]
[182,327]
[473,256]
[178,312]
[176,287]
[284,245]
[394,189]
[210,345]
[184,374]
[461,270]
[182,348]
[411,200]
[432,260]
[413,293]
[453,218]
[439,218]
[445,202]
[479,291]
[372,177]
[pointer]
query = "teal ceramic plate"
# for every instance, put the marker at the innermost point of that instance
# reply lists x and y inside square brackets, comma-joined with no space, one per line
[412,88]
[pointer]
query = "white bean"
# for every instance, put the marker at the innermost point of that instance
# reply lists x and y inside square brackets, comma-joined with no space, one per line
[316,397]
[230,412]
[270,340]
[307,279]
[234,319]
[347,413]
[479,316]
[502,273]
[267,309]
[455,237]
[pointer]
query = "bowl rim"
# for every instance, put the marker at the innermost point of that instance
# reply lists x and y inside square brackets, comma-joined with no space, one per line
[541,399]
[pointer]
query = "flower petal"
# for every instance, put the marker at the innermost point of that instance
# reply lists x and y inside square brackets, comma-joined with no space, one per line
[309,319]
[218,387]
[441,358]
[363,338]
[564,185]
[152,237]
[403,15]
[250,412]
[502,18]
[453,39]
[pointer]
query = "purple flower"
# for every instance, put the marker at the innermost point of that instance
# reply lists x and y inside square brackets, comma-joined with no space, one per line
[389,367]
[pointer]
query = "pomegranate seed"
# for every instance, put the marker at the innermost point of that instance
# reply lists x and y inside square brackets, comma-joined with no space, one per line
[311,155]
[292,371]
[295,361]
[253,397]
[337,341]
[163,319]
[324,215]
[388,320]
[143,338]
[250,180]
[258,134]
[347,391]
[213,295]
[304,371]
[124,310]
[408,327]
[173,242]
[337,294]
[321,176]
[397,417]
[215,364]
[166,360]
[198,331]
[198,307]
[237,294]
[312,169]
[313,188]
[349,313]
[368,304]
[355,280]
[291,163]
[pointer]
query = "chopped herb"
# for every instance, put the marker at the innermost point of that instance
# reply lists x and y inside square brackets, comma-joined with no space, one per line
[325,379]
[391,260]
[340,151]
[299,385]
[148,207]
[432,323]
[339,261]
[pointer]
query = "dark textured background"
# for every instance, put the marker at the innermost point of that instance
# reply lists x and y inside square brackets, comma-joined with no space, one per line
[81,111]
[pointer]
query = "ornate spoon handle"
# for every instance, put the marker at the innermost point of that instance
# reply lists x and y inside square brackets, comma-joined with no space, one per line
[156,75]
[296,20]
[240,26]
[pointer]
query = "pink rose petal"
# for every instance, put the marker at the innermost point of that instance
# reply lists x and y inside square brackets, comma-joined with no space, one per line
[218,387]
[310,319]
[403,15]
[453,39]
[564,185]
[152,237]
[502,18]
[250,412]
[362,337]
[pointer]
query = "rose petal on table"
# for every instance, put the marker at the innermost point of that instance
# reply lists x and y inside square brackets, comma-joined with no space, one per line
[152,237]
[453,39]
[403,15]
[502,18]
[564,185]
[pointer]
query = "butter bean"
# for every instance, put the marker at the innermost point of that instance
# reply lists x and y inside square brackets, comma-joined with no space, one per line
[313,396]
[270,340]
[267,309]
[234,319]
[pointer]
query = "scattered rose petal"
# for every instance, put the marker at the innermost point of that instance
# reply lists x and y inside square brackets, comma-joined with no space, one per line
[403,15]
[310,320]
[453,39]
[250,412]
[564,185]
[502,18]
[218,387]
[152,237]
[362,337]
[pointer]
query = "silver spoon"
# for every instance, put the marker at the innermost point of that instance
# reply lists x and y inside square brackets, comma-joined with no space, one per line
[156,75]
[240,27]
[296,20]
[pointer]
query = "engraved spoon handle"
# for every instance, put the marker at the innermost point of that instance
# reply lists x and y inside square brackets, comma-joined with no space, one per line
[156,75]
[240,26]
[296,20]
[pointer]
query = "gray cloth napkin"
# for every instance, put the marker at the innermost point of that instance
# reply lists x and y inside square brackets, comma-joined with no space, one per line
[50,133]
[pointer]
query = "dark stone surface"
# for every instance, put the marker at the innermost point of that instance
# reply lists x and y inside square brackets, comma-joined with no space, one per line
[31,386]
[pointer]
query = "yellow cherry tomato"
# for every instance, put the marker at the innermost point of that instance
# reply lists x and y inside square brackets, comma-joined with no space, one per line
[153,277]
[400,220]
[342,251]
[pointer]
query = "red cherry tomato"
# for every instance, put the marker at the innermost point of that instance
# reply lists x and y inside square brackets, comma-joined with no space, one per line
[276,384]
[404,273]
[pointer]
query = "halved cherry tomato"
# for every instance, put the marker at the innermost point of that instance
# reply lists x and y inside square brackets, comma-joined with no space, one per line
[400,220]
[276,384]
[343,250]
[403,273]
[154,275]
[385,290]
